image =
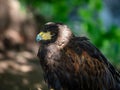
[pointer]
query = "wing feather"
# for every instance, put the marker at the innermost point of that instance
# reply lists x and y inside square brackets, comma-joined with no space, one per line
[84,61]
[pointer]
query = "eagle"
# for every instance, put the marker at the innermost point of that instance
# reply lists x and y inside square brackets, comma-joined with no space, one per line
[73,63]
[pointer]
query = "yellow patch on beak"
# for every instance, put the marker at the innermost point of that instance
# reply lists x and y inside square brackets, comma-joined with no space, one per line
[45,35]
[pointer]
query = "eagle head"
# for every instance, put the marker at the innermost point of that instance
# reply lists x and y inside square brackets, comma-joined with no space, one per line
[54,33]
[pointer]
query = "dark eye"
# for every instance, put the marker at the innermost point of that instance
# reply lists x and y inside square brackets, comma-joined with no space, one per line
[53,34]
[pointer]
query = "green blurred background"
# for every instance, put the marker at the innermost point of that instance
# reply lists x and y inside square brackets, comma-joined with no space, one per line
[21,20]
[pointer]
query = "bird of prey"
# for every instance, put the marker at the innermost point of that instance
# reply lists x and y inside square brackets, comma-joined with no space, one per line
[73,63]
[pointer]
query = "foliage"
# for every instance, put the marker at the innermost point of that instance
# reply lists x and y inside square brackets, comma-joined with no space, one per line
[83,17]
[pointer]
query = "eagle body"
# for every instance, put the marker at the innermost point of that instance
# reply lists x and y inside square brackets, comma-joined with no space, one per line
[73,63]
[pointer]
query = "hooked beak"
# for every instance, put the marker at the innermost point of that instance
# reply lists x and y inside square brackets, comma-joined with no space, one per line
[43,36]
[38,38]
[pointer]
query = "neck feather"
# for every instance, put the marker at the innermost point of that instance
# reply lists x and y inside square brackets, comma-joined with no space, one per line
[64,37]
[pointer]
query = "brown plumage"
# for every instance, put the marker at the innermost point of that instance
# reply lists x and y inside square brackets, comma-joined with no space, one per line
[73,63]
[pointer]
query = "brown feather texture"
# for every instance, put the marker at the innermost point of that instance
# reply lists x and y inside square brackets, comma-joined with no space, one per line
[73,63]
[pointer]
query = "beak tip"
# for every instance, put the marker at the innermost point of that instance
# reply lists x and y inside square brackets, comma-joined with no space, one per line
[38,38]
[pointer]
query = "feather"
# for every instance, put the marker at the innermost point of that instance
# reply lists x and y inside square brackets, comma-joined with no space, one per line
[73,63]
